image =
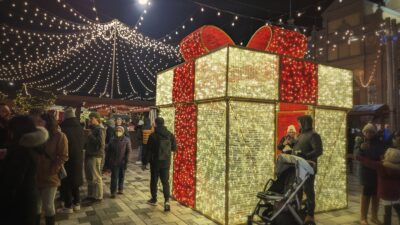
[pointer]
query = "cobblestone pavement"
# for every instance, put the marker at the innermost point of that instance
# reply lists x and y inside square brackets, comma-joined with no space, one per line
[131,208]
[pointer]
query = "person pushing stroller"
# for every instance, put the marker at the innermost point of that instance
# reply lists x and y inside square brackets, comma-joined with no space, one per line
[309,147]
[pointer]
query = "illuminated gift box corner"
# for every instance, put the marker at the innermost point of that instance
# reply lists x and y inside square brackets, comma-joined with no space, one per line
[225,108]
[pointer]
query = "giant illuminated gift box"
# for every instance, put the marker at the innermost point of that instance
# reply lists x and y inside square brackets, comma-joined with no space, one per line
[224,108]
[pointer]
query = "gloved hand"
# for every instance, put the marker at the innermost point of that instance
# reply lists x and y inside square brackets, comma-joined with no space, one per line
[301,155]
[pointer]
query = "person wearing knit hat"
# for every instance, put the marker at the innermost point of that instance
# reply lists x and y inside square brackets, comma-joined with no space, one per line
[116,160]
[287,142]
[370,147]
[69,190]
[69,113]
[388,171]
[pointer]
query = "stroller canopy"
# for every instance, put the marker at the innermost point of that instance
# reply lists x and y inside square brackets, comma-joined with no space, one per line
[286,161]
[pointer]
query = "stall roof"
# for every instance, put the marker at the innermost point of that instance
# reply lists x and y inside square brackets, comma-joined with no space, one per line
[77,101]
[371,109]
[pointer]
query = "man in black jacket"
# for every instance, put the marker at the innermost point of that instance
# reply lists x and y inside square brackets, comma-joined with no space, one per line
[309,147]
[70,184]
[95,146]
[159,146]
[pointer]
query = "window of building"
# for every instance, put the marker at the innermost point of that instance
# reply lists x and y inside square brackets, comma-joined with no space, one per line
[332,53]
[344,50]
[355,48]
[353,19]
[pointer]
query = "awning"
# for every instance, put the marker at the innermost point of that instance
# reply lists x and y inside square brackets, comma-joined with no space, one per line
[371,109]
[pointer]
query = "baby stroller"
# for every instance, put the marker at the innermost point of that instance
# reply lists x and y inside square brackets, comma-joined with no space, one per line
[279,202]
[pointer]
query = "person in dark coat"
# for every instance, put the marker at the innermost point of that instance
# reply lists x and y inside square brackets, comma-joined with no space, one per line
[159,147]
[76,140]
[388,171]
[5,114]
[371,147]
[116,160]
[18,202]
[309,146]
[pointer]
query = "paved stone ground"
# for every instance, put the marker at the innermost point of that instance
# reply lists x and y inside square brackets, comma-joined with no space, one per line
[131,208]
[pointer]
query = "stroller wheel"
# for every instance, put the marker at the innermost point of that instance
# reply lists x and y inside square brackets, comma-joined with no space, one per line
[249,220]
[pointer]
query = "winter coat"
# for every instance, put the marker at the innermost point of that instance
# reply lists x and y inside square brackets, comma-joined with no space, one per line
[153,147]
[96,142]
[18,180]
[3,132]
[368,175]
[50,163]
[76,140]
[110,132]
[388,178]
[291,144]
[309,143]
[118,152]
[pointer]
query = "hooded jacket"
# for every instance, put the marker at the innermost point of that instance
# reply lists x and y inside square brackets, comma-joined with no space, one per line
[96,142]
[161,132]
[117,152]
[17,179]
[76,140]
[309,143]
[388,174]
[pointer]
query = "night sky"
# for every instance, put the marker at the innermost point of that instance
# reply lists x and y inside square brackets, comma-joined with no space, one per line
[163,19]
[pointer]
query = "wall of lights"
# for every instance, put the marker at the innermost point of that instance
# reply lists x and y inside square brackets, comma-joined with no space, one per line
[185,157]
[251,154]
[330,185]
[210,79]
[227,147]
[211,160]
[164,88]
[299,81]
[183,89]
[253,74]
[342,80]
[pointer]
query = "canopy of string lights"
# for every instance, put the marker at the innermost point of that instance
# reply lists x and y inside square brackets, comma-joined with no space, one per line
[87,57]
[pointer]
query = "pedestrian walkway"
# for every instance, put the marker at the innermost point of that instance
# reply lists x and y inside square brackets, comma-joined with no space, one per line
[131,207]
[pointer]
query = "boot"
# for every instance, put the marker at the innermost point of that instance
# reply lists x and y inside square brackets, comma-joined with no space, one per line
[50,220]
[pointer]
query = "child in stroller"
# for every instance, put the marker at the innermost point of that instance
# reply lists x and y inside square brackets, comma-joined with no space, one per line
[280,202]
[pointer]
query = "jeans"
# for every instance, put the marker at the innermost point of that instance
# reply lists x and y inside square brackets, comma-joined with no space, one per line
[310,192]
[163,174]
[70,195]
[93,177]
[388,213]
[117,178]
[45,200]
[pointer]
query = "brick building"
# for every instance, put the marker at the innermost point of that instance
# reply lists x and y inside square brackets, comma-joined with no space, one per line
[362,36]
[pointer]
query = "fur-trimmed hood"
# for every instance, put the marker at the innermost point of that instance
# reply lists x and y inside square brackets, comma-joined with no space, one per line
[33,139]
[392,158]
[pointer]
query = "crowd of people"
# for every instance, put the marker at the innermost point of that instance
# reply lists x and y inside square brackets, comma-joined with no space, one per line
[40,156]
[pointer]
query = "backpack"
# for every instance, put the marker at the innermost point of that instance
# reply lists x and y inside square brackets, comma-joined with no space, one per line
[164,150]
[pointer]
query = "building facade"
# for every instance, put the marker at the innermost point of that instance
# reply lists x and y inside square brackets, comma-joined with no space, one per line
[363,36]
